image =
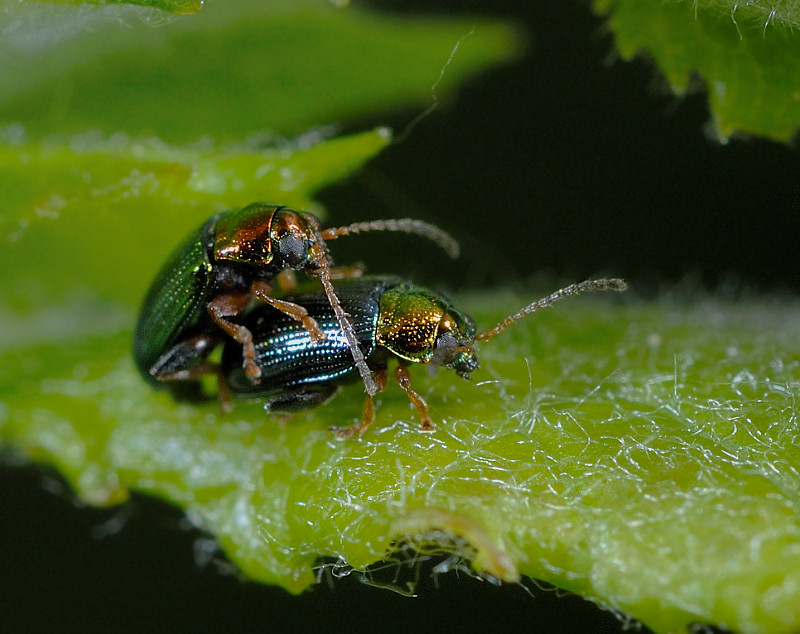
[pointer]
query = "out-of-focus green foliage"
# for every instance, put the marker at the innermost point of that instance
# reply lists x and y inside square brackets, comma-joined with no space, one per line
[103,214]
[744,52]
[233,69]
[178,7]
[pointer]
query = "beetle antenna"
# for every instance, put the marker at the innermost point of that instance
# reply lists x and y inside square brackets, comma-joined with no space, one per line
[406,225]
[605,284]
[324,274]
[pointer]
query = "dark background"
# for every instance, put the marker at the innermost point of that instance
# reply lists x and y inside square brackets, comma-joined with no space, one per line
[568,162]
[576,163]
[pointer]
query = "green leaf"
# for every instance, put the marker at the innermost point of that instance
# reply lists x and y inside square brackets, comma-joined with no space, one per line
[642,455]
[79,210]
[178,7]
[746,54]
[235,68]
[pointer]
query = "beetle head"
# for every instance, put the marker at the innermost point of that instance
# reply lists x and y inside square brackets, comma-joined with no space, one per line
[296,241]
[262,233]
[420,326]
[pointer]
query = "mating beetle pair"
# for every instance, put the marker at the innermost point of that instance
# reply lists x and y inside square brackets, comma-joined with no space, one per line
[224,265]
[297,350]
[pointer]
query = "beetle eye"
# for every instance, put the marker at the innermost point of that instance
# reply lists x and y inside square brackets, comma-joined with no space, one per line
[444,350]
[292,249]
[450,353]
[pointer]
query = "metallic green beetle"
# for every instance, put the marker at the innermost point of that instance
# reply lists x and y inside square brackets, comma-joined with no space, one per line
[220,268]
[391,319]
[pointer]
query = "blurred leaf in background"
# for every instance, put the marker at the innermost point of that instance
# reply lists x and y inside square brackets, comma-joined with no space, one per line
[745,54]
[233,69]
[120,137]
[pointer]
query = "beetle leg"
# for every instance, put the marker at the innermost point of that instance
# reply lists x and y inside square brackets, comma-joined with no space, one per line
[261,291]
[346,272]
[184,355]
[368,413]
[228,305]
[404,380]
[204,367]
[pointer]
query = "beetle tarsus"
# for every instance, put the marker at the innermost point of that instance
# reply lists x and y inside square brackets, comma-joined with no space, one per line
[404,381]
[367,414]
[367,418]
[201,369]
[250,365]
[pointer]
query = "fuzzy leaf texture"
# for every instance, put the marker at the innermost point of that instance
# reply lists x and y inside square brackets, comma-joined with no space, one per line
[745,53]
[642,456]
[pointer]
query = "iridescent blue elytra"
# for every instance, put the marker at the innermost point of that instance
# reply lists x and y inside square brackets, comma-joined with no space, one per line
[287,356]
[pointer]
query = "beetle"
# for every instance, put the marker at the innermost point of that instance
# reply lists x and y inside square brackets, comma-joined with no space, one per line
[220,268]
[391,318]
